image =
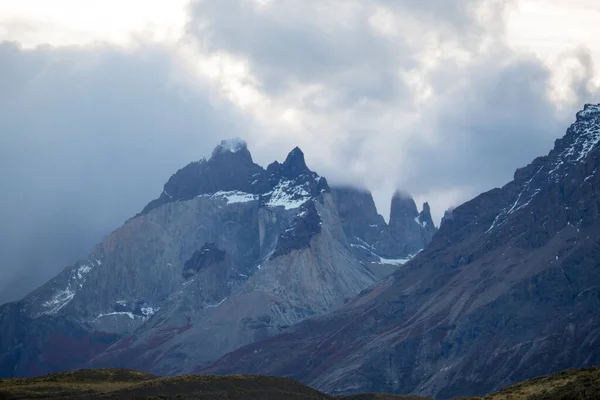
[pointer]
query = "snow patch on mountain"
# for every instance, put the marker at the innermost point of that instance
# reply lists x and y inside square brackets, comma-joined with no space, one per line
[233,197]
[149,311]
[288,196]
[75,281]
[523,199]
[422,223]
[390,261]
[381,260]
[58,301]
[216,305]
[116,313]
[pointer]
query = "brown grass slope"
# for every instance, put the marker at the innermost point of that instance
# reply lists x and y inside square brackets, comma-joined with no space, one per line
[120,384]
[129,384]
[572,384]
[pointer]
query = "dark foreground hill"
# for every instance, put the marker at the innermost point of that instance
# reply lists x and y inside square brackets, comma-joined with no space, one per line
[129,384]
[583,384]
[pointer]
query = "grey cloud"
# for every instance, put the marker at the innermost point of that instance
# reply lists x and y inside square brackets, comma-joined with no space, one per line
[486,119]
[296,41]
[87,137]
[498,120]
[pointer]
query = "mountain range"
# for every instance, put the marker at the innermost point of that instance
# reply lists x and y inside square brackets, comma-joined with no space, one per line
[235,268]
[228,254]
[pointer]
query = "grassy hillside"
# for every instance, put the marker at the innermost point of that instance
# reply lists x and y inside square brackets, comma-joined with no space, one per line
[128,384]
[121,384]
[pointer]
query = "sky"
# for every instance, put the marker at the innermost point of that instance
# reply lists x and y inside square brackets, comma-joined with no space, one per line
[100,102]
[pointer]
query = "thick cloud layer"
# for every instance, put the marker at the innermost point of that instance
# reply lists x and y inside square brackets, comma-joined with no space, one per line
[89,136]
[425,96]
[422,95]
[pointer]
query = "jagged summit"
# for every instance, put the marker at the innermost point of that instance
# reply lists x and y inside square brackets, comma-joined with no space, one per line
[295,164]
[572,164]
[231,171]
[403,206]
[589,110]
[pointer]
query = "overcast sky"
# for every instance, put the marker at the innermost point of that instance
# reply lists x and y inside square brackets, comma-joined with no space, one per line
[100,102]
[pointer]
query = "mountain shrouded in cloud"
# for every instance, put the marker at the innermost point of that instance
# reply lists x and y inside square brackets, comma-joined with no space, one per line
[229,253]
[426,96]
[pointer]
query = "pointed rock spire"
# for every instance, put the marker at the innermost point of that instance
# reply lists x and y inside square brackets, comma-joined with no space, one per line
[425,217]
[294,164]
[408,225]
[403,207]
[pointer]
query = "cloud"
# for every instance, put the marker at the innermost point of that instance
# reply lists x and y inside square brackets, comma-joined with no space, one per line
[89,136]
[422,95]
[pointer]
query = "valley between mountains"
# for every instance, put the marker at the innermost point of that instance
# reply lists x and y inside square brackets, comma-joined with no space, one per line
[236,268]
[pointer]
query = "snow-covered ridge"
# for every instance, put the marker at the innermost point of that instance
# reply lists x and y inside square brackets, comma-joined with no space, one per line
[286,194]
[583,136]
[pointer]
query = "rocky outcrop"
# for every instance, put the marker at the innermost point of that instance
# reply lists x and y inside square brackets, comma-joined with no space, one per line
[507,289]
[204,258]
[412,229]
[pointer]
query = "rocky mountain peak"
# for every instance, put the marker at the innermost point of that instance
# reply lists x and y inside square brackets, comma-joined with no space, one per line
[403,206]
[294,164]
[566,175]
[589,111]
[230,168]
[408,225]
[425,218]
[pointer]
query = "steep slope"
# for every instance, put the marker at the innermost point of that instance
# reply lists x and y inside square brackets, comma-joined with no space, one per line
[227,241]
[380,246]
[509,288]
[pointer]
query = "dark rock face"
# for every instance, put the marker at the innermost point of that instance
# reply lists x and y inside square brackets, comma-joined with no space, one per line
[301,230]
[426,222]
[207,256]
[447,215]
[409,227]
[507,289]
